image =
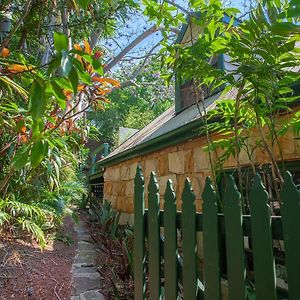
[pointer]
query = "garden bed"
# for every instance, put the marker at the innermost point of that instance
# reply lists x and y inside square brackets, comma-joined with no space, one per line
[26,272]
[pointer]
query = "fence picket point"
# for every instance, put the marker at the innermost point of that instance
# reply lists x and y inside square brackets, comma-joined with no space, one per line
[189,244]
[154,239]
[234,241]
[264,265]
[290,213]
[170,245]
[139,236]
[212,279]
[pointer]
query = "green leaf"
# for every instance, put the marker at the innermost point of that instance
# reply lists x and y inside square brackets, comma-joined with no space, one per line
[61,98]
[293,12]
[97,66]
[285,28]
[37,153]
[21,157]
[73,77]
[83,3]
[84,76]
[37,128]
[60,41]
[64,83]
[37,99]
[66,63]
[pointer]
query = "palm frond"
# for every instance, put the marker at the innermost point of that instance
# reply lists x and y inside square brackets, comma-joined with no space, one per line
[14,86]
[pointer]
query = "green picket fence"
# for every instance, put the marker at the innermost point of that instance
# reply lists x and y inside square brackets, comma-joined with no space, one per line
[170,271]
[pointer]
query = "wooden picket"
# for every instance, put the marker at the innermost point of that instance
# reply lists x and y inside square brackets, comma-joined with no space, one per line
[154,239]
[171,271]
[170,247]
[211,243]
[189,242]
[234,242]
[139,236]
[290,196]
[264,266]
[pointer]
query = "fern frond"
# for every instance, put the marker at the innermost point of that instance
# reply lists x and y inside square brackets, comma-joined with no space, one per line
[4,218]
[34,229]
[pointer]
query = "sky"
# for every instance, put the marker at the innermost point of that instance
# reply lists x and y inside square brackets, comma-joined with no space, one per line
[137,23]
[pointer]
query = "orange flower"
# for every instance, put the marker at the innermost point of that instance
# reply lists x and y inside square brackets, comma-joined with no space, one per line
[87,47]
[81,87]
[16,68]
[24,138]
[5,52]
[103,99]
[77,47]
[107,80]
[68,94]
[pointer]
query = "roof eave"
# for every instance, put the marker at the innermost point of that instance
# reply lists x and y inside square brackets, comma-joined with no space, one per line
[186,132]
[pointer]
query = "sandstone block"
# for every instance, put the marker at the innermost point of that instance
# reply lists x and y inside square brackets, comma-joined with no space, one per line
[112,173]
[132,170]
[129,188]
[189,161]
[108,188]
[125,172]
[201,160]
[150,165]
[198,182]
[176,162]
[287,142]
[163,165]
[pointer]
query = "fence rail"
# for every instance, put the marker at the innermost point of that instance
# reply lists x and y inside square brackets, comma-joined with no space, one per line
[172,266]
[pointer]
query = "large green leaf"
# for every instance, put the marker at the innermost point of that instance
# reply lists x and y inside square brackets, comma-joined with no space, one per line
[73,77]
[37,153]
[21,157]
[60,96]
[66,63]
[285,28]
[60,41]
[37,99]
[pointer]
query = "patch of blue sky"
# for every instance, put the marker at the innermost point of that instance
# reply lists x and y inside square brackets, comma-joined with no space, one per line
[137,23]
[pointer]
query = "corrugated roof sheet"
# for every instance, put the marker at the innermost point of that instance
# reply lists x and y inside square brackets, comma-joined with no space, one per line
[168,122]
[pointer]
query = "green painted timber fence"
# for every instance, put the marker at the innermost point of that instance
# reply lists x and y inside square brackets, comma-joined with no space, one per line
[166,265]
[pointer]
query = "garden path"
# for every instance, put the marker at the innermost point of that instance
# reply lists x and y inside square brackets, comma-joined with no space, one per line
[85,278]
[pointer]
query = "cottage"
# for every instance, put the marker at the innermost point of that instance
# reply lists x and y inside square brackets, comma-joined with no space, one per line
[172,145]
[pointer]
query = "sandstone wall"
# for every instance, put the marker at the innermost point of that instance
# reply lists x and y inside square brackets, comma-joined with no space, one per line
[178,162]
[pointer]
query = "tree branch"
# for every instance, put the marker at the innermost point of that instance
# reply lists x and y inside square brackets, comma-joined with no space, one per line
[133,44]
[138,70]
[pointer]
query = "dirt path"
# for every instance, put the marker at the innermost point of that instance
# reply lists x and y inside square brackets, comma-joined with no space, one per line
[28,273]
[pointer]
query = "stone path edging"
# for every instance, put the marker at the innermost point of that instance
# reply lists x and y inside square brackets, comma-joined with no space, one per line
[85,278]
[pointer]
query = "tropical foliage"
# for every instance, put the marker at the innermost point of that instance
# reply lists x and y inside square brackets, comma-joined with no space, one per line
[136,105]
[260,86]
[45,89]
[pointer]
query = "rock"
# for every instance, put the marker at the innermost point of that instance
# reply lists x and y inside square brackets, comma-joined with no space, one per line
[83,284]
[91,295]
